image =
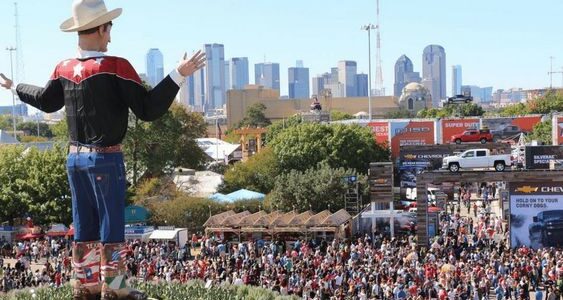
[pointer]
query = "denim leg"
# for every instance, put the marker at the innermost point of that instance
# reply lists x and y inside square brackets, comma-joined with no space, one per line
[84,206]
[107,176]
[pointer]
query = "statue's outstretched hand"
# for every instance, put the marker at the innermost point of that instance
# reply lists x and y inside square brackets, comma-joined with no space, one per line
[5,82]
[190,66]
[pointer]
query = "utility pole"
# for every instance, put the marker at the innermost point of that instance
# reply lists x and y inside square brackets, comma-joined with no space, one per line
[551,72]
[368,28]
[11,50]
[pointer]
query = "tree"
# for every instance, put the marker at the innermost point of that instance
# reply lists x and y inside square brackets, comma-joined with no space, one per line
[34,183]
[348,146]
[399,114]
[60,131]
[30,128]
[551,102]
[453,110]
[157,147]
[254,117]
[316,188]
[256,174]
[514,110]
[542,132]
[338,115]
[279,126]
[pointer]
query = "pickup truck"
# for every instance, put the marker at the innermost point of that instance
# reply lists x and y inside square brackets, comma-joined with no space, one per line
[547,227]
[472,135]
[476,158]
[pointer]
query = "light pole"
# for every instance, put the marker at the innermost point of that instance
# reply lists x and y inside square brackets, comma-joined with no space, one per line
[368,28]
[12,49]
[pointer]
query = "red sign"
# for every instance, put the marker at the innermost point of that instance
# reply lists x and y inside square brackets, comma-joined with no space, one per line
[457,126]
[380,131]
[526,123]
[409,133]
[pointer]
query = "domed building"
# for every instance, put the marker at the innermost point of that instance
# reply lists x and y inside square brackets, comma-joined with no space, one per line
[415,97]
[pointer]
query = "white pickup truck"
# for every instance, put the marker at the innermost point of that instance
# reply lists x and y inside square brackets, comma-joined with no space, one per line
[476,159]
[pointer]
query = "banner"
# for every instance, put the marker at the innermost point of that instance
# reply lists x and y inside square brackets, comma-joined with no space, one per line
[380,131]
[539,157]
[536,214]
[457,126]
[525,123]
[408,133]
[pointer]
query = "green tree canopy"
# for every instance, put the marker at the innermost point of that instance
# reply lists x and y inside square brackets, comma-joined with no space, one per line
[254,117]
[399,114]
[338,115]
[60,131]
[315,188]
[279,126]
[455,110]
[34,183]
[30,128]
[542,132]
[256,174]
[348,146]
[158,147]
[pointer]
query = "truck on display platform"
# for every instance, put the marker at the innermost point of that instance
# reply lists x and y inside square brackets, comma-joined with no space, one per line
[472,135]
[477,159]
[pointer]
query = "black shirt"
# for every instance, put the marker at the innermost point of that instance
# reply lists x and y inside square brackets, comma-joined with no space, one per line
[97,93]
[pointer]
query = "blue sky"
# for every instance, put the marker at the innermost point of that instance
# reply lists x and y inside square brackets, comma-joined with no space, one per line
[499,43]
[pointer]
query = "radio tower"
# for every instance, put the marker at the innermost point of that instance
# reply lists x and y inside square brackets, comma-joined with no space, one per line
[378,72]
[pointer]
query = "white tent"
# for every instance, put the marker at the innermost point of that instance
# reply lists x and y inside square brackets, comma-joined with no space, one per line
[178,235]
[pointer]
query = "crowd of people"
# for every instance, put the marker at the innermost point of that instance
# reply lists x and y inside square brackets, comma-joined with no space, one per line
[469,259]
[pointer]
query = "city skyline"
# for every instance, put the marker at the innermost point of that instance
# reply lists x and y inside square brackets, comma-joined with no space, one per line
[496,65]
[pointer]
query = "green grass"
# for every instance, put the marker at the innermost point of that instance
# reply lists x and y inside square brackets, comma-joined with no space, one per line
[175,291]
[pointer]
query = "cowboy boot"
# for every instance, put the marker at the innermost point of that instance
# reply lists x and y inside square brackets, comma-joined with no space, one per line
[86,265]
[114,284]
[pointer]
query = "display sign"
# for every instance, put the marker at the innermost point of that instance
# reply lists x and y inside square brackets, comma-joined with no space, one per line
[409,133]
[536,214]
[138,229]
[457,126]
[413,159]
[381,182]
[539,157]
[505,128]
[380,131]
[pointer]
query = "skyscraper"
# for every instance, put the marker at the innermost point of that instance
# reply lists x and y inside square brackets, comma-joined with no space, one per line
[456,80]
[227,75]
[404,74]
[362,84]
[318,85]
[199,90]
[298,81]
[239,73]
[186,93]
[155,66]
[434,72]
[267,75]
[347,70]
[214,76]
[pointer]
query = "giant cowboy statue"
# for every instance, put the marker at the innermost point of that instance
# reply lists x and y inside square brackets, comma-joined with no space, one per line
[97,92]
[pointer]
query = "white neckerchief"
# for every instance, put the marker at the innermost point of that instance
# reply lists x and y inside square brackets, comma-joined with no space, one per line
[88,53]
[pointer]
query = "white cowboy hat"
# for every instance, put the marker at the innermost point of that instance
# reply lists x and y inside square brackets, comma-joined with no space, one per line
[88,14]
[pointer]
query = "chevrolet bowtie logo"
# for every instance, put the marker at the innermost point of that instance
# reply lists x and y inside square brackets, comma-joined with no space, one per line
[527,189]
[410,156]
[381,181]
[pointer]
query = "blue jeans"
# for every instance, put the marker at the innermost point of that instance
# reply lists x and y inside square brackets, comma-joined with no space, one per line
[97,184]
